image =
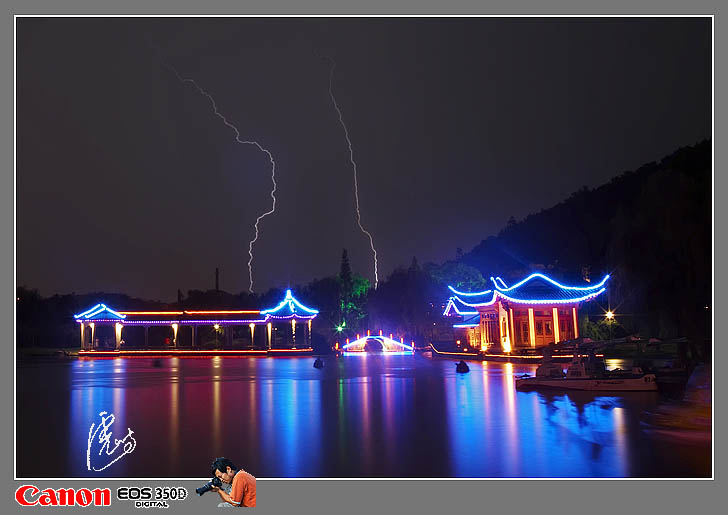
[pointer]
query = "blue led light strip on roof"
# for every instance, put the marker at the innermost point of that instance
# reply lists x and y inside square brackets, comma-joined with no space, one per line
[481,304]
[451,303]
[501,281]
[496,280]
[468,294]
[535,301]
[291,301]
[551,301]
[87,311]
[558,285]
[98,308]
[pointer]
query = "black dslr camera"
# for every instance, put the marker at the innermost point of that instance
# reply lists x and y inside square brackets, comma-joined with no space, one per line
[208,486]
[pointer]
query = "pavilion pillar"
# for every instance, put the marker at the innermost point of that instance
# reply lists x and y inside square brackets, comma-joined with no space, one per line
[576,322]
[270,335]
[483,326]
[194,334]
[117,335]
[83,341]
[310,344]
[556,325]
[252,335]
[512,329]
[505,329]
[531,328]
[93,334]
[293,333]
[175,327]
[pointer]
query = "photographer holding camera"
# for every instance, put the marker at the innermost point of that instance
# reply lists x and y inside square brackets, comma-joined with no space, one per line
[242,491]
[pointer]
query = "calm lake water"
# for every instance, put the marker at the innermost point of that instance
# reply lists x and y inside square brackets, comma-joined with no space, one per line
[360,416]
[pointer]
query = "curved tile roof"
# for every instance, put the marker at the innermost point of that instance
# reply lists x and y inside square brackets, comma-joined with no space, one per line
[534,289]
[456,307]
[469,321]
[469,299]
[290,308]
[99,312]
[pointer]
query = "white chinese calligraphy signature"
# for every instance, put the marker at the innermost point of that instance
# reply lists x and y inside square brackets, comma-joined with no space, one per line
[101,436]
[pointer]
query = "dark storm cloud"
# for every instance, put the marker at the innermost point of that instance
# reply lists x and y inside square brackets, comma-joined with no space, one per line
[126,180]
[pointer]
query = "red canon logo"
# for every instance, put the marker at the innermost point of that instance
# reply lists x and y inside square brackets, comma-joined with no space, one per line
[27,495]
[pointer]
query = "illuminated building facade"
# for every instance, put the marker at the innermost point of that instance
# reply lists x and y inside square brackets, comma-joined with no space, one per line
[286,326]
[532,313]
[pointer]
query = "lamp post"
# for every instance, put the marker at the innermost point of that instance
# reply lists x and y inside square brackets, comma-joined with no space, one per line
[610,322]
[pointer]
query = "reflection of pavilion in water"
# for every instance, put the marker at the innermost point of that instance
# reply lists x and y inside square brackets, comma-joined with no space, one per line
[283,328]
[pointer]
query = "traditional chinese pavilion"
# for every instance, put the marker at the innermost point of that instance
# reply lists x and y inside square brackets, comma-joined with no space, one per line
[283,328]
[532,313]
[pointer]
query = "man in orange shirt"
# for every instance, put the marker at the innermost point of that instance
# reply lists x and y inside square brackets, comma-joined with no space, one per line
[242,492]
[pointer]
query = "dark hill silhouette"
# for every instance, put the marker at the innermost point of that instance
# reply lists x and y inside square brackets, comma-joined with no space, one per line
[650,228]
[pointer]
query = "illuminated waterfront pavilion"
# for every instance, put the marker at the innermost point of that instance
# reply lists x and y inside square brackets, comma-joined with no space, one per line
[532,313]
[286,326]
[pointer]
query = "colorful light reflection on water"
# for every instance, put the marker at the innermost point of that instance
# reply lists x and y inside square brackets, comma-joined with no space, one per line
[364,416]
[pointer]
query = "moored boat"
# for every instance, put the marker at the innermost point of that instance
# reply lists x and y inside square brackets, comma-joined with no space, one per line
[587,373]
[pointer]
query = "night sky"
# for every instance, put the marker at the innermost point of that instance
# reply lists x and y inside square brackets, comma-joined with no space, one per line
[127,182]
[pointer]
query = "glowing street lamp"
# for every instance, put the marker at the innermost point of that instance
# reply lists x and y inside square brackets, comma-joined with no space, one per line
[217,330]
[610,321]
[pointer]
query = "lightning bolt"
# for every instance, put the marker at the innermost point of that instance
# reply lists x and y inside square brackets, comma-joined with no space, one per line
[242,142]
[353,164]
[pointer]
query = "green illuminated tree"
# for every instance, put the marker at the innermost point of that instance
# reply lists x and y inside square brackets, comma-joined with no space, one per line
[353,290]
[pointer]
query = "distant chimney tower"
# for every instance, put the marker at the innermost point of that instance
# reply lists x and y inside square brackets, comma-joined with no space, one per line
[217,279]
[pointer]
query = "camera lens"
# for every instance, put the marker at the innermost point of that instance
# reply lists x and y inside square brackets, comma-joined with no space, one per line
[209,485]
[206,487]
